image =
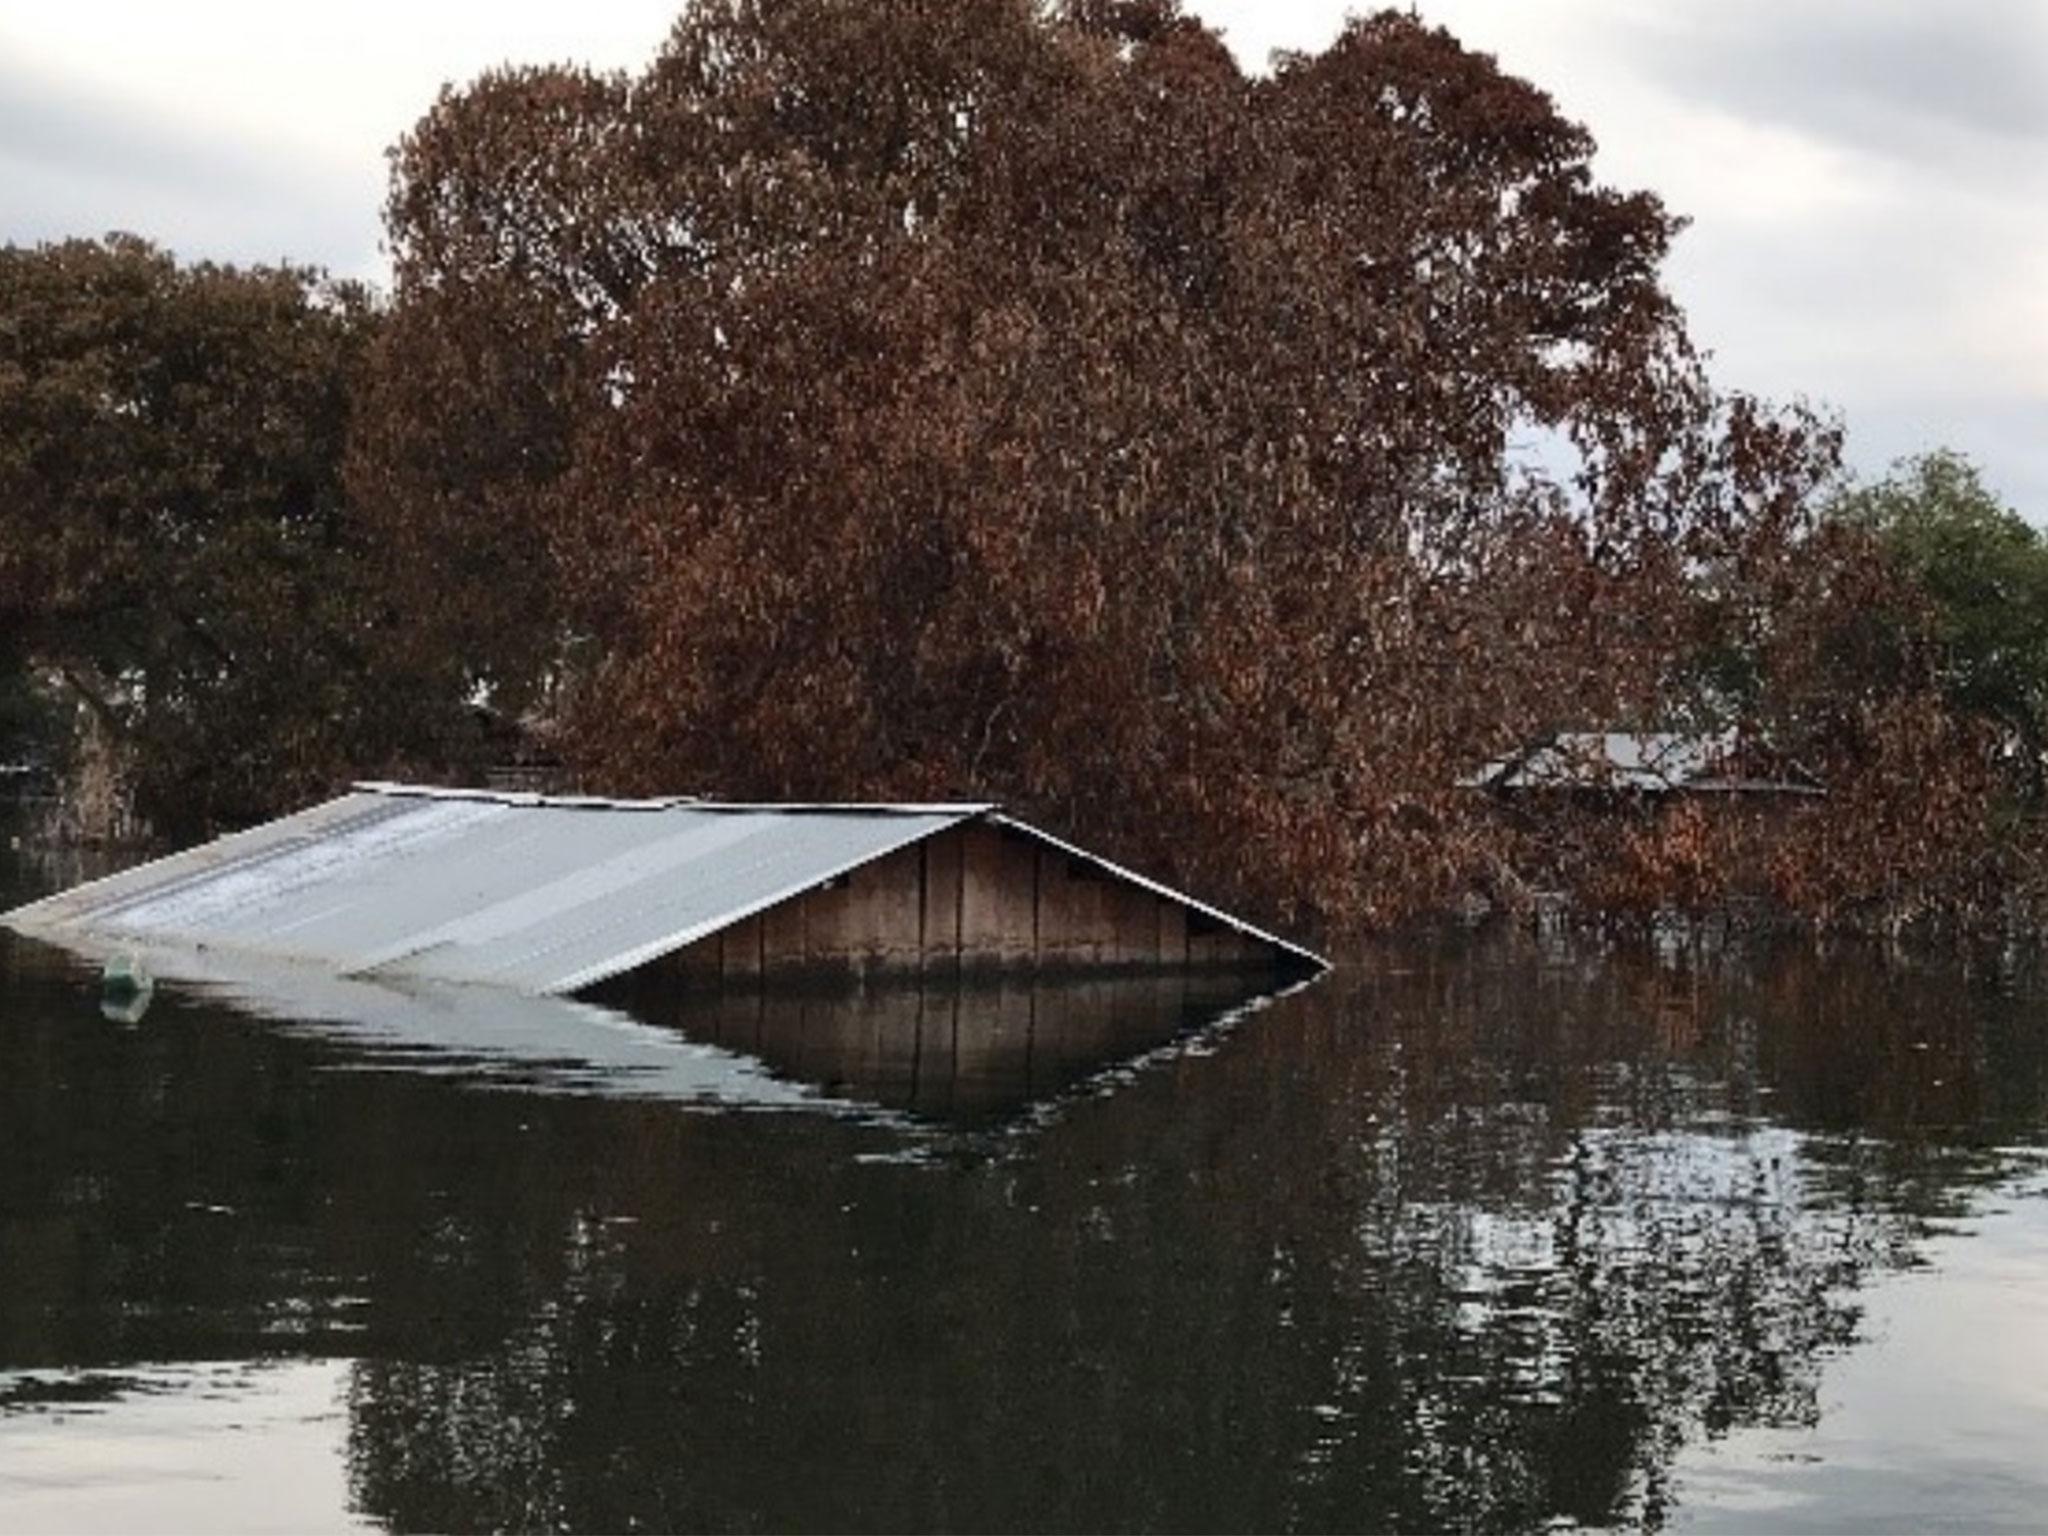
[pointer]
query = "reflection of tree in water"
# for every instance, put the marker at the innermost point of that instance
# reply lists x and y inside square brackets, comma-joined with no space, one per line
[1479,1247]
[1505,1367]
[1475,1240]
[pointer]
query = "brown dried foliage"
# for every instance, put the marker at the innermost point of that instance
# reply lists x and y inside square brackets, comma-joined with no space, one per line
[969,400]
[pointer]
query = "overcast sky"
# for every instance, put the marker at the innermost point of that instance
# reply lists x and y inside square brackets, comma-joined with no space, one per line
[1867,179]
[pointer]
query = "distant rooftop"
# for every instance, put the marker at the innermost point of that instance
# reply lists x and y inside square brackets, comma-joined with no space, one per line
[1647,762]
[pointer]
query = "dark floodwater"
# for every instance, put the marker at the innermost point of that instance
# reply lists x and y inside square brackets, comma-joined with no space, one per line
[1480,1235]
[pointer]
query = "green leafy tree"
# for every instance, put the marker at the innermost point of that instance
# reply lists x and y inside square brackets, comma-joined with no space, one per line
[175,548]
[1984,570]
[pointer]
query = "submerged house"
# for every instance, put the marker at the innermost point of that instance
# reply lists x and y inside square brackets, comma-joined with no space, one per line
[554,895]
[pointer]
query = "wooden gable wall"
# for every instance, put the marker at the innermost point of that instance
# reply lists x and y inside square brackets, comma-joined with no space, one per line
[975,899]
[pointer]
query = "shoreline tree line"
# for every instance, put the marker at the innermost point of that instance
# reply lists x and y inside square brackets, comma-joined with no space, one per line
[987,399]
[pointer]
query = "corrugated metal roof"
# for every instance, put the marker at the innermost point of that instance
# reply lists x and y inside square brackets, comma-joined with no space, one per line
[533,893]
[512,891]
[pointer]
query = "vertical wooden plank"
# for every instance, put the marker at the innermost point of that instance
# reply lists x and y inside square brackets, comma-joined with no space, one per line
[890,909]
[700,965]
[833,937]
[981,897]
[1173,933]
[1055,911]
[942,904]
[1205,944]
[782,938]
[740,953]
[1233,948]
[1087,908]
[1017,882]
[1114,900]
[1137,926]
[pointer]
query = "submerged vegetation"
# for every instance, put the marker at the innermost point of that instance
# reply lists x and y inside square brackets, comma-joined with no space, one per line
[880,399]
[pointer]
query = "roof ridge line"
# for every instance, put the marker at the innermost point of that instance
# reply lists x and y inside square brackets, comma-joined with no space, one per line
[535,799]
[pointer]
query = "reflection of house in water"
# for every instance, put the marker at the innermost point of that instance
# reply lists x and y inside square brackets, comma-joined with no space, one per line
[929,956]
[949,1050]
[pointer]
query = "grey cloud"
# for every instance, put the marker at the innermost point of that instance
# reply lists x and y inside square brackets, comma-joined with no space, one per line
[1888,303]
[76,161]
[2001,435]
[1879,306]
[1886,320]
[77,130]
[1906,78]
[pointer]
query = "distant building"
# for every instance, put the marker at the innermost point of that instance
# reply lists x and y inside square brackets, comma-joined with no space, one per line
[1645,763]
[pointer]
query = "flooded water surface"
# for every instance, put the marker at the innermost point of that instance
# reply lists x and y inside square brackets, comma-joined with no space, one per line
[1485,1234]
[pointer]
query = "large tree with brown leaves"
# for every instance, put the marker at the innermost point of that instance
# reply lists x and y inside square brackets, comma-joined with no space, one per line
[889,397]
